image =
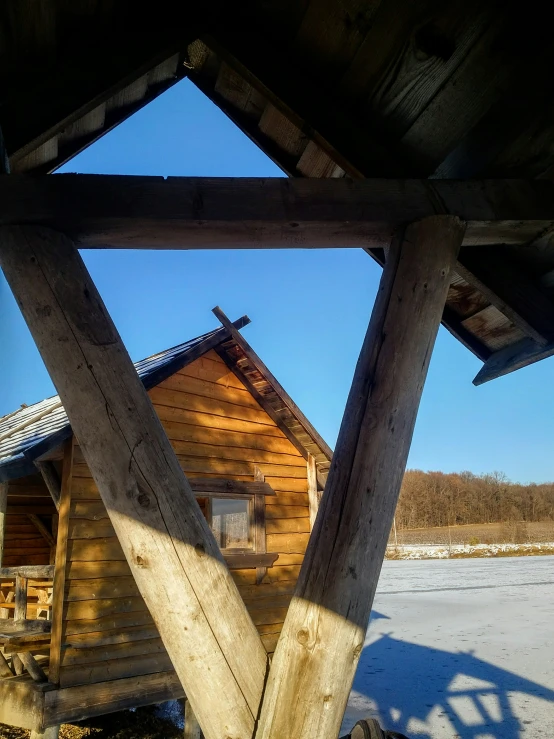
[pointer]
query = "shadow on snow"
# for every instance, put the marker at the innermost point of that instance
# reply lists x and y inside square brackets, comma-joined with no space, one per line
[416,690]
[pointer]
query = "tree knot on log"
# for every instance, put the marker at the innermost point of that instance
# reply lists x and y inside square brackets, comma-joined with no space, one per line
[200,550]
[303,636]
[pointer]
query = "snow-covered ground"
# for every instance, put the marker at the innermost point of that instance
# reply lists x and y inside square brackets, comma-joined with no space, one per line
[460,648]
[439,551]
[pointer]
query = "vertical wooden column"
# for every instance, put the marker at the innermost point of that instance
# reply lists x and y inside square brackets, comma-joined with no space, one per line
[192,728]
[60,565]
[318,651]
[3,508]
[313,497]
[167,542]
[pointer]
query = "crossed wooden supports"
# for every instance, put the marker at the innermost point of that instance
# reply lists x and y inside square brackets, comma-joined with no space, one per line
[203,622]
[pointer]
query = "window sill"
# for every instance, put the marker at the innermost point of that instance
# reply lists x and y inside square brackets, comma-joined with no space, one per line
[249,560]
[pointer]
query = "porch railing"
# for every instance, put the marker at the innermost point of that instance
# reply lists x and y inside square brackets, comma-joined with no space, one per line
[25,620]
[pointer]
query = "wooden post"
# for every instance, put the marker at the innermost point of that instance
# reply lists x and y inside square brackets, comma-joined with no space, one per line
[313,498]
[60,563]
[192,728]
[3,509]
[171,551]
[52,732]
[51,480]
[20,611]
[318,651]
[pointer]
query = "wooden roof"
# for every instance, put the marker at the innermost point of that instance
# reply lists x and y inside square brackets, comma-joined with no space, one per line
[32,432]
[327,88]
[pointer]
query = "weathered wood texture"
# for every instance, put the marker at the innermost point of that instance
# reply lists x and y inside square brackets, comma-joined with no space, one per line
[3,510]
[60,571]
[323,635]
[101,211]
[51,480]
[103,609]
[83,701]
[312,490]
[192,728]
[172,553]
[24,544]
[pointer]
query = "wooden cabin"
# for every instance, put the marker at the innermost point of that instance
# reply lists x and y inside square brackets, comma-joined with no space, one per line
[401,128]
[76,638]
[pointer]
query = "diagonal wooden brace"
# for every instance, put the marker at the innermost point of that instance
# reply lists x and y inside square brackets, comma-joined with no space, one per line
[174,558]
[324,632]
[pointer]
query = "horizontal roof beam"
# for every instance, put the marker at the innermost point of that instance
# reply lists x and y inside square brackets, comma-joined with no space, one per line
[105,211]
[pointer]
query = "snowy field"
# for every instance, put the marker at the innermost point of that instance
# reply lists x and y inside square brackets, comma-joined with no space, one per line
[460,649]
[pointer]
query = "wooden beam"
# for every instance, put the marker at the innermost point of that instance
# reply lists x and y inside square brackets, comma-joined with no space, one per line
[263,370]
[37,523]
[3,508]
[20,612]
[171,551]
[33,667]
[324,631]
[102,211]
[509,289]
[60,571]
[313,496]
[214,486]
[51,480]
[511,358]
[13,628]
[31,572]
[192,728]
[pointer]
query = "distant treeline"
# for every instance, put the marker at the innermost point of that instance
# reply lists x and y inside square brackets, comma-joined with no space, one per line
[439,499]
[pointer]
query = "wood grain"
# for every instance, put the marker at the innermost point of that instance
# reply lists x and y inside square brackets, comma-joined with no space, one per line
[324,631]
[171,551]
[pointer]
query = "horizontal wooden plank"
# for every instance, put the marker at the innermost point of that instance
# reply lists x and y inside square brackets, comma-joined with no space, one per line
[278,600]
[24,626]
[242,561]
[169,414]
[86,655]
[83,529]
[89,510]
[268,615]
[114,669]
[210,486]
[77,703]
[283,572]
[257,456]
[110,636]
[24,558]
[117,587]
[197,403]
[232,468]
[95,570]
[197,386]
[34,572]
[121,622]
[93,609]
[91,550]
[264,589]
[288,525]
[287,543]
[286,511]
[212,369]
[177,431]
[148,212]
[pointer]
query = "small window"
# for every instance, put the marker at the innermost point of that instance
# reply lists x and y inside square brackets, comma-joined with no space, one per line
[231,523]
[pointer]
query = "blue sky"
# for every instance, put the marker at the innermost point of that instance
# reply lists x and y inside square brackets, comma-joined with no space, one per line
[309,309]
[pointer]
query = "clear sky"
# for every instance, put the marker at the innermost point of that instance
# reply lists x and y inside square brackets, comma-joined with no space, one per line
[309,309]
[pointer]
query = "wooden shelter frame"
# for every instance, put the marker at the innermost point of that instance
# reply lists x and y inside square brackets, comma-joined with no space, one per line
[177,565]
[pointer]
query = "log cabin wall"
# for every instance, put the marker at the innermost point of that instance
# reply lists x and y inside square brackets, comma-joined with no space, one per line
[217,430]
[24,544]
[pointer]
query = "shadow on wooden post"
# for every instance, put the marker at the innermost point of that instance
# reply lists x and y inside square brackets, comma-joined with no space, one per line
[323,636]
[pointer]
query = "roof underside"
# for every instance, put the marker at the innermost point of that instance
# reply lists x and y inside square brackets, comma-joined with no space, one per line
[327,88]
